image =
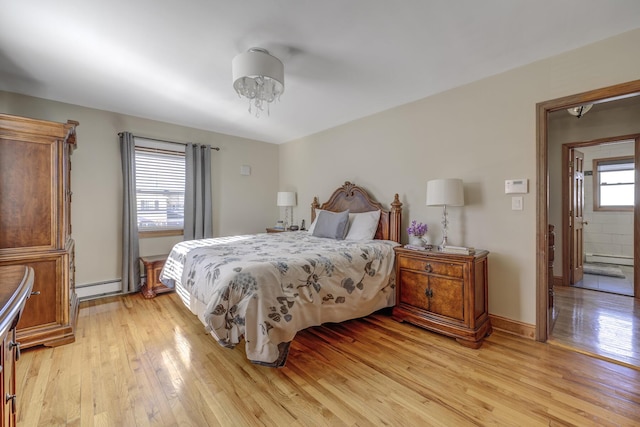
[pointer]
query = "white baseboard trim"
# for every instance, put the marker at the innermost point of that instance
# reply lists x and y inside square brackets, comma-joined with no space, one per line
[97,290]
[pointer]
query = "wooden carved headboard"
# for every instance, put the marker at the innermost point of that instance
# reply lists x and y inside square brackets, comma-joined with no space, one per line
[357,200]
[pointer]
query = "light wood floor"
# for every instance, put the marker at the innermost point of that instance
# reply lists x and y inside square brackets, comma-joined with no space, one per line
[601,324]
[143,362]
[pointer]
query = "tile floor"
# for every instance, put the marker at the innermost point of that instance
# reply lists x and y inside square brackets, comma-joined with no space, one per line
[609,284]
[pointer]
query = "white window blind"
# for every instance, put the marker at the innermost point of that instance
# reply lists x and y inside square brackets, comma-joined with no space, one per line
[616,180]
[160,189]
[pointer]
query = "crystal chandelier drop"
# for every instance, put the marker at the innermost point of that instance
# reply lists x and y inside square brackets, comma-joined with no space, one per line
[259,77]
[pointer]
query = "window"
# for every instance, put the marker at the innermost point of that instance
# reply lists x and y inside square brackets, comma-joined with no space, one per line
[159,191]
[614,184]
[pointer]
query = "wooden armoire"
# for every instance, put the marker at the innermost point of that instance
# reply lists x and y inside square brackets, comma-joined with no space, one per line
[35,223]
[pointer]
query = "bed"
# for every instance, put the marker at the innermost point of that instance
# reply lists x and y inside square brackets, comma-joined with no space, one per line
[264,288]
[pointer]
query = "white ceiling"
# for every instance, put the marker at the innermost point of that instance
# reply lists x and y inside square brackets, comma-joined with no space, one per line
[170,60]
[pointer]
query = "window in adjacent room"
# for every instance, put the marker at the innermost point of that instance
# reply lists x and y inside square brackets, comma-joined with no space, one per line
[614,184]
[160,184]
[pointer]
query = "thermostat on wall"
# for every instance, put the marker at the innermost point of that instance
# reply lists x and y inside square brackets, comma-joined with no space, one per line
[516,186]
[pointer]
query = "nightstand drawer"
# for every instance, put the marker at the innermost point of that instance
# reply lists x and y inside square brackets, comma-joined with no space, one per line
[432,267]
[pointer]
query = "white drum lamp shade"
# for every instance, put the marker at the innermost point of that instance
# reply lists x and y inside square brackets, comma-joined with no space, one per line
[286,198]
[259,77]
[445,192]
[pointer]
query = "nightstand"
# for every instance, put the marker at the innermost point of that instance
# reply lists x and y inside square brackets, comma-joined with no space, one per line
[153,267]
[275,230]
[445,293]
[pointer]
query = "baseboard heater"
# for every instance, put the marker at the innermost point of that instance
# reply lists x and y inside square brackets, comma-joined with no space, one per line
[99,289]
[610,259]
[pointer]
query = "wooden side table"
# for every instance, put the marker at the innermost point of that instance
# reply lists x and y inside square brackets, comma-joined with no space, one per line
[444,293]
[153,266]
[275,230]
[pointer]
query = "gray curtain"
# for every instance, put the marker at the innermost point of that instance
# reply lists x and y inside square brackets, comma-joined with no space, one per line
[197,196]
[130,245]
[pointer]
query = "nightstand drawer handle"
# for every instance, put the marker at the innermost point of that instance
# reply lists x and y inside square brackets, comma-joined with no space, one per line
[428,292]
[428,268]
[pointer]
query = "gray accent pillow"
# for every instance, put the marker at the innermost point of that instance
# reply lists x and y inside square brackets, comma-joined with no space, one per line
[333,225]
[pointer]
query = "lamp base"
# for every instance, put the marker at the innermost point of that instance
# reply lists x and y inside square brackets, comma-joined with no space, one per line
[444,243]
[445,226]
[288,217]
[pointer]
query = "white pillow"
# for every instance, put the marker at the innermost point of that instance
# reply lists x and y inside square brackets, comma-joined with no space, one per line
[363,226]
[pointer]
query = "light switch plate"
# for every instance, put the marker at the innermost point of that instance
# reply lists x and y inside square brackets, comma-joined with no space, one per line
[245,170]
[517,203]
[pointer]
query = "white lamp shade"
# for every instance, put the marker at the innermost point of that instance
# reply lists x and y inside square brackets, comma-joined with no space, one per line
[286,198]
[258,62]
[445,192]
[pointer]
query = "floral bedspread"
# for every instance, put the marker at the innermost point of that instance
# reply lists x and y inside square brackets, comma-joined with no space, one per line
[264,288]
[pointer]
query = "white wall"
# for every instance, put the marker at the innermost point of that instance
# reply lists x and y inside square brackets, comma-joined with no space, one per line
[241,204]
[484,133]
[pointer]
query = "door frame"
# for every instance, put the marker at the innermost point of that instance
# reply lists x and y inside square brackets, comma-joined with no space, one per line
[610,93]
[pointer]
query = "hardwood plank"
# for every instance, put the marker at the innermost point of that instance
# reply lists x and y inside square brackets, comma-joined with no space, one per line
[36,372]
[139,362]
[89,352]
[597,323]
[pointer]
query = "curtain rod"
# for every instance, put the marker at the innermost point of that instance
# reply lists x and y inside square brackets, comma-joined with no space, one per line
[170,142]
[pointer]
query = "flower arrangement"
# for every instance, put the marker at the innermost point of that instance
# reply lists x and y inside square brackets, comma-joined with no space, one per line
[417,229]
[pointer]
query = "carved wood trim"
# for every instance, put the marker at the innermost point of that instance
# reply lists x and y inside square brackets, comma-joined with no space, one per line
[358,200]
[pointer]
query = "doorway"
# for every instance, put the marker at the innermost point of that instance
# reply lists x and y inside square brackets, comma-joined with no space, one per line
[599,324]
[544,109]
[597,212]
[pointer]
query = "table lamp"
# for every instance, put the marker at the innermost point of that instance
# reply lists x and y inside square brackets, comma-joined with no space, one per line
[445,192]
[287,199]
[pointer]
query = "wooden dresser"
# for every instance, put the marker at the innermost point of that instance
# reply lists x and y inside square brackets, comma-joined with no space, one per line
[16,283]
[444,293]
[35,223]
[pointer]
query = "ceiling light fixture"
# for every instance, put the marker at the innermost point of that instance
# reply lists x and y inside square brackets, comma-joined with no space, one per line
[580,110]
[259,77]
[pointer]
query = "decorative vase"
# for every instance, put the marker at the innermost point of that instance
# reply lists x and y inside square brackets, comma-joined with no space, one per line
[416,240]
